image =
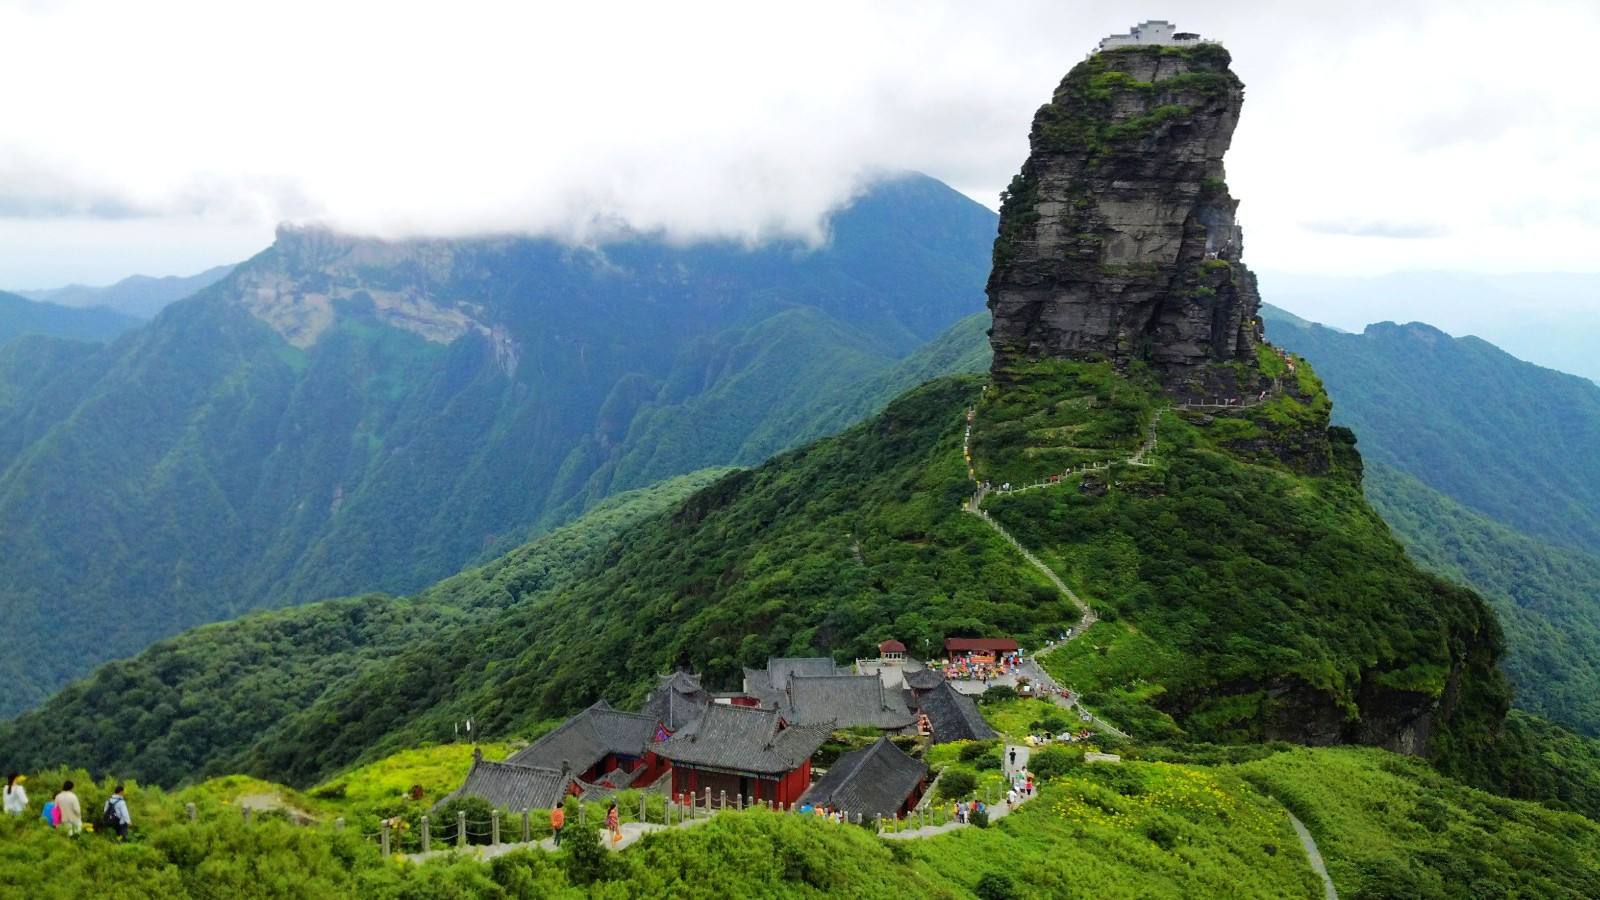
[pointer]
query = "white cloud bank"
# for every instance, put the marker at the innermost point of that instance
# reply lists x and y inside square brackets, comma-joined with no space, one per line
[1375,136]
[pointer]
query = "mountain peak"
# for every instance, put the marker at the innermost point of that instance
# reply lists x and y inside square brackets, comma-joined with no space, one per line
[1117,239]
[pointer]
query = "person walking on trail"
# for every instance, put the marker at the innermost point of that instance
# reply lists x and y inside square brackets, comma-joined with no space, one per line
[558,820]
[16,800]
[1013,757]
[70,810]
[116,814]
[612,823]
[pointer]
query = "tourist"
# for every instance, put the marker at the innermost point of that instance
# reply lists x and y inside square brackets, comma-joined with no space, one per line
[115,815]
[1011,797]
[16,798]
[558,820]
[1013,757]
[1030,784]
[69,810]
[613,823]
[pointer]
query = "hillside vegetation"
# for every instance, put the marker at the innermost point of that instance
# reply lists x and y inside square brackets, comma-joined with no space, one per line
[190,707]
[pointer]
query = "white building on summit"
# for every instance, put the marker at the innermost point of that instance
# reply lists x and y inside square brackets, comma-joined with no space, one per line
[1156,31]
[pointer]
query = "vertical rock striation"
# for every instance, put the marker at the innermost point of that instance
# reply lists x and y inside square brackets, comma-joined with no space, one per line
[1117,239]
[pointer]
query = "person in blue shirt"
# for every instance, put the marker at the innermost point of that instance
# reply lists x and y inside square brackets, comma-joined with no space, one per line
[116,813]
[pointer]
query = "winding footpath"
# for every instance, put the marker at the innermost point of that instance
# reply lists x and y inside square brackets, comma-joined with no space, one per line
[1315,855]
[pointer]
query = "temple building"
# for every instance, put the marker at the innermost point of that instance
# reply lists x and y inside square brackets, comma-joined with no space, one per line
[944,713]
[676,701]
[601,747]
[880,780]
[745,752]
[848,701]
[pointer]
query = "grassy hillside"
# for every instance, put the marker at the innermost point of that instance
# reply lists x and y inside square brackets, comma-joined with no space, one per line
[1390,827]
[191,706]
[1247,591]
[1387,826]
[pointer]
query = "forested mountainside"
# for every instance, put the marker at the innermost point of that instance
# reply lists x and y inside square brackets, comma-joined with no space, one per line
[190,706]
[341,415]
[21,316]
[1547,597]
[1501,436]
[139,296]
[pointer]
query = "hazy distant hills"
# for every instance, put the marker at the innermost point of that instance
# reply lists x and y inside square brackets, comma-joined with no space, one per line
[1510,439]
[19,316]
[340,415]
[1552,319]
[140,296]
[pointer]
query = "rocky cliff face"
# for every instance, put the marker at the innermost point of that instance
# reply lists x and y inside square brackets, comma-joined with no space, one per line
[1117,239]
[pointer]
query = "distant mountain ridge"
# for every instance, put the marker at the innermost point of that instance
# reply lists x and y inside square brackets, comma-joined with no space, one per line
[340,415]
[140,296]
[21,316]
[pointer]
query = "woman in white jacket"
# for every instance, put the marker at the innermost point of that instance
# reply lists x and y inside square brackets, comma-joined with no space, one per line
[16,798]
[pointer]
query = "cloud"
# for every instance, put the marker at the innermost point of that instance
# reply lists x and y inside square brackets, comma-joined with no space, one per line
[1378,229]
[733,119]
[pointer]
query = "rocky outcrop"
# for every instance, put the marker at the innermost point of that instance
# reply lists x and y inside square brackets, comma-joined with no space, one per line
[1117,239]
[312,276]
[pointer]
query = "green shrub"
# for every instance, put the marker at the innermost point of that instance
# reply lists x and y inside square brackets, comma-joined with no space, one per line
[995,886]
[988,763]
[479,813]
[587,860]
[975,750]
[998,693]
[1054,762]
[955,784]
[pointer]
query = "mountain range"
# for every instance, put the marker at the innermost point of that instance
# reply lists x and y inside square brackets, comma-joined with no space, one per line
[139,296]
[341,415]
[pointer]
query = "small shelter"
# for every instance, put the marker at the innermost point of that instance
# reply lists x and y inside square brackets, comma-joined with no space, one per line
[891,651]
[980,650]
[880,780]
[744,752]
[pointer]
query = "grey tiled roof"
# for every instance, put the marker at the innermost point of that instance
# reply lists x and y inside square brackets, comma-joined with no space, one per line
[587,738]
[874,781]
[924,679]
[744,739]
[846,701]
[953,715]
[513,787]
[676,701]
[780,669]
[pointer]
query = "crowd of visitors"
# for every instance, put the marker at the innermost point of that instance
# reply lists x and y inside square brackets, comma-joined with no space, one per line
[65,810]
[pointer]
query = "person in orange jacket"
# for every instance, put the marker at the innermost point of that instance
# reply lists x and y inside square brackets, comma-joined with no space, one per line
[558,820]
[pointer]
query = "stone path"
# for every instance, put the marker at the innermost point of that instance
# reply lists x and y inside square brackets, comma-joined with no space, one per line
[1315,855]
[631,833]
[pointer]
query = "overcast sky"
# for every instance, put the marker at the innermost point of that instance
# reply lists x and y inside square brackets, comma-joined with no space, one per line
[166,137]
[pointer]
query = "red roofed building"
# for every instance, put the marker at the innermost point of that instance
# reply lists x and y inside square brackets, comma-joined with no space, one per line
[891,649]
[985,650]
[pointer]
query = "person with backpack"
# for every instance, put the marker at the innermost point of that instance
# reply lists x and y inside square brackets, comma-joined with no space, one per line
[69,812]
[115,816]
[16,801]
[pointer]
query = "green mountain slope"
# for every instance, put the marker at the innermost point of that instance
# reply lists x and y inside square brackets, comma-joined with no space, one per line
[186,708]
[1506,438]
[342,415]
[21,316]
[1547,598]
